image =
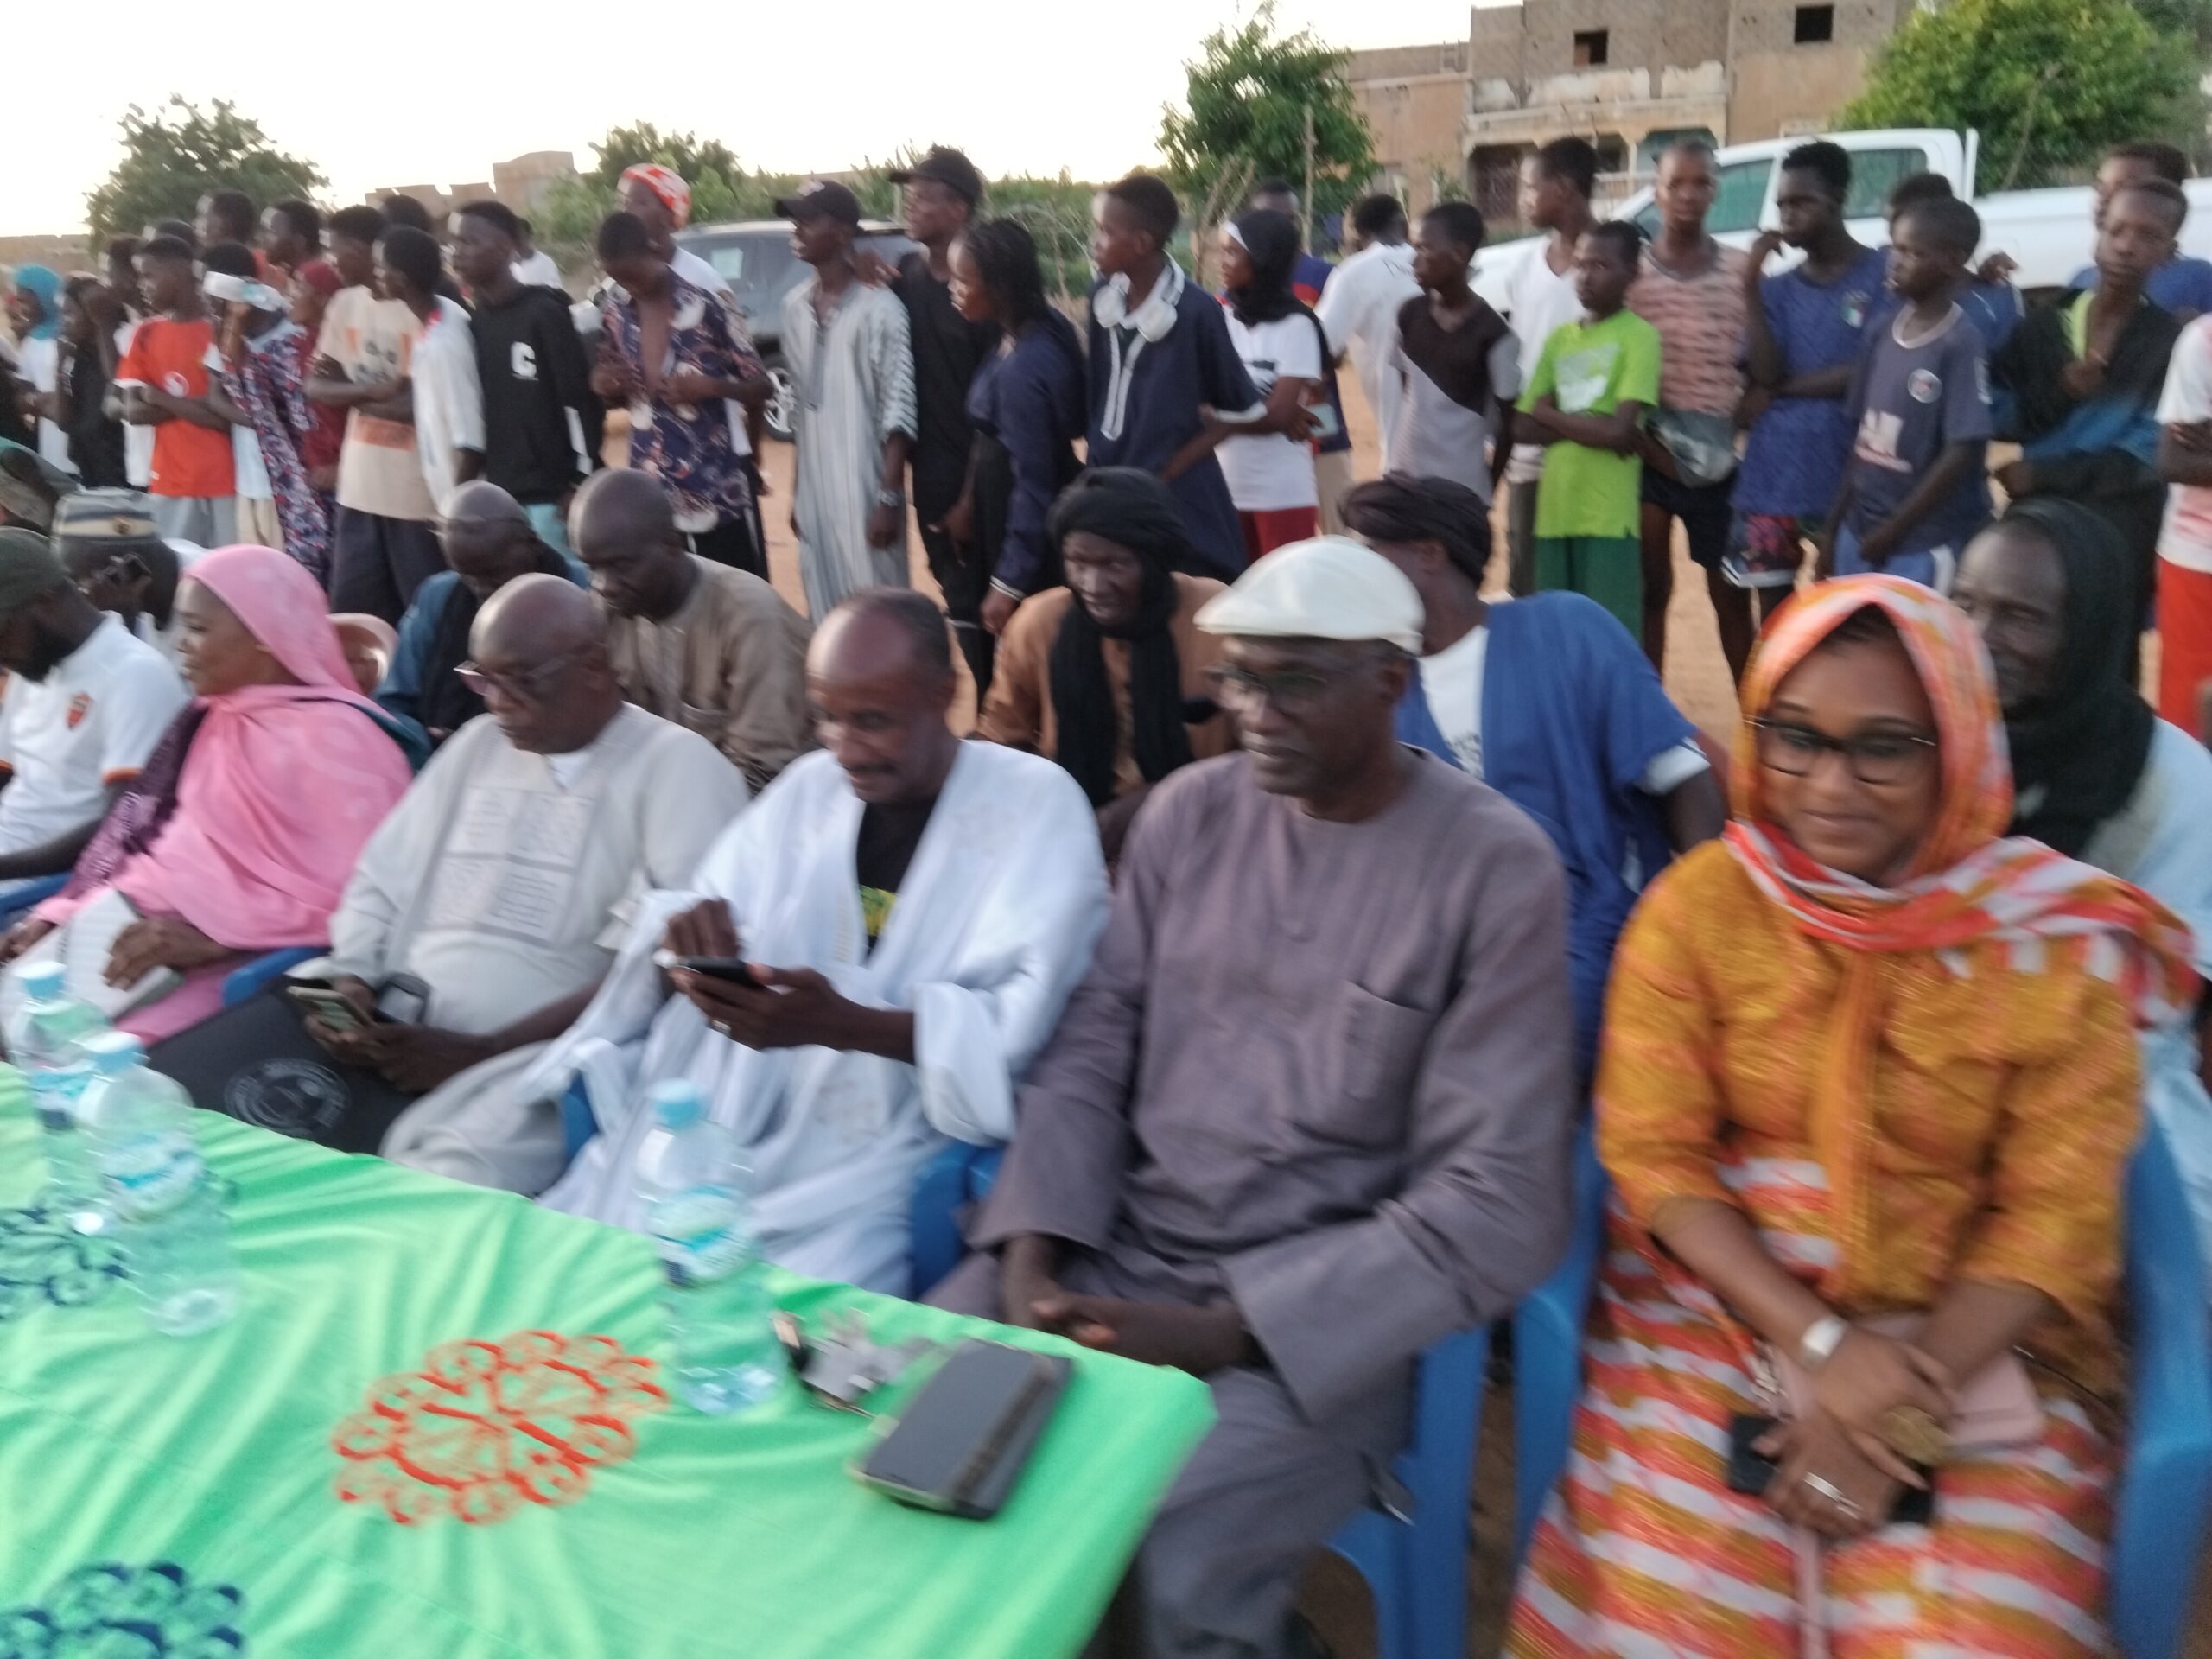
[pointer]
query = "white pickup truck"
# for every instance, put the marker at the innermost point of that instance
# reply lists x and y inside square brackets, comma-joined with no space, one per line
[2048,232]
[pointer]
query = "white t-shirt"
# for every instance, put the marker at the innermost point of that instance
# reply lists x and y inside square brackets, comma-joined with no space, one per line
[1450,683]
[137,441]
[1272,471]
[1539,300]
[2186,539]
[40,364]
[448,399]
[93,720]
[1359,311]
[249,472]
[538,271]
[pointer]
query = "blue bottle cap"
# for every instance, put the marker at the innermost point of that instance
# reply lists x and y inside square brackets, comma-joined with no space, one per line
[676,1103]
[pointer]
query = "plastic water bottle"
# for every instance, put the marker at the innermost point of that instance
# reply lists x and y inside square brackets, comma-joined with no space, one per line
[168,1215]
[692,1183]
[47,1039]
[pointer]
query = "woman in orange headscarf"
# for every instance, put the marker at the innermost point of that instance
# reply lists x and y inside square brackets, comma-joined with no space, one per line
[1868,1092]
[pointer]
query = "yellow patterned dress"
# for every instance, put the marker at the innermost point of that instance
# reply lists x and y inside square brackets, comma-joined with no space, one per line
[2003,1103]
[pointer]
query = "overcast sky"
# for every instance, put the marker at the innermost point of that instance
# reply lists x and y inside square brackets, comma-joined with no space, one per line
[383,96]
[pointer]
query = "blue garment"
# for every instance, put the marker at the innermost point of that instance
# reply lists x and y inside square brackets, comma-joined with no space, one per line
[1931,567]
[1793,463]
[1994,308]
[400,695]
[1145,397]
[1031,400]
[2182,284]
[1572,714]
[1910,403]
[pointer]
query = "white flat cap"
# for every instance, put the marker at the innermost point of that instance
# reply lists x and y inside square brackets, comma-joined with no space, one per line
[1330,588]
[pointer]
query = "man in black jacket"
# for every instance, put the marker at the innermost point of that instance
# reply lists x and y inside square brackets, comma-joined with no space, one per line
[541,422]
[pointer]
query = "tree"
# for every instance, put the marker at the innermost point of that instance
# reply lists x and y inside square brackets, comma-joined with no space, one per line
[1251,95]
[2051,84]
[624,146]
[173,157]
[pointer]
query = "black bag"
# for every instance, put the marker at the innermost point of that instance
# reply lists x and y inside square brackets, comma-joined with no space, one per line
[258,1062]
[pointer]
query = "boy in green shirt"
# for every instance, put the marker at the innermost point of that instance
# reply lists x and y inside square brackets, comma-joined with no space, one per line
[1591,387]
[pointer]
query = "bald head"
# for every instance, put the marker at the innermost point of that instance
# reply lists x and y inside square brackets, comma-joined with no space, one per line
[539,646]
[879,677]
[488,538]
[623,526]
[481,501]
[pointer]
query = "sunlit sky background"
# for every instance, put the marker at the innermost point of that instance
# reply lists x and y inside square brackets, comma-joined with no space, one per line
[378,96]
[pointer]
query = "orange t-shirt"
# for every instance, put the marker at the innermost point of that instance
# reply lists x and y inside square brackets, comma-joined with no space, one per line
[188,459]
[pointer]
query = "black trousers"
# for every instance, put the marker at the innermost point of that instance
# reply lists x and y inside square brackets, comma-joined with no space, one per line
[963,579]
[735,541]
[377,564]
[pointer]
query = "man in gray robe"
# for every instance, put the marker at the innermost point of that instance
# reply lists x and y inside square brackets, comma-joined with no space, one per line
[1310,1112]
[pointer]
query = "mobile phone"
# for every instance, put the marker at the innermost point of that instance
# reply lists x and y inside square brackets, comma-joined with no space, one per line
[1751,1474]
[724,968]
[327,1006]
[964,1437]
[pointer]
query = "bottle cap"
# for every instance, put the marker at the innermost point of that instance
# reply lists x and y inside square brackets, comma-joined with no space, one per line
[676,1104]
[114,1051]
[43,979]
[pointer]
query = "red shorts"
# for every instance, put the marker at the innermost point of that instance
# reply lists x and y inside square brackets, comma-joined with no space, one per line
[2184,643]
[1265,531]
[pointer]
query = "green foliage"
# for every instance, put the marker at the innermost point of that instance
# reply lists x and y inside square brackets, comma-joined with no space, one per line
[1247,95]
[624,146]
[2051,84]
[173,157]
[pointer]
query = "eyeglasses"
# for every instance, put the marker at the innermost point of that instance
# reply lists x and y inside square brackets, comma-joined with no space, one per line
[528,686]
[1296,691]
[1877,757]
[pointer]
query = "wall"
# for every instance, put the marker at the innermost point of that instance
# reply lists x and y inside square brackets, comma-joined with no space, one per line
[1415,122]
[1799,87]
[67,254]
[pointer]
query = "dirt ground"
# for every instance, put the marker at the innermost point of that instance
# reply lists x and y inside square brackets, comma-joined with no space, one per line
[1333,1596]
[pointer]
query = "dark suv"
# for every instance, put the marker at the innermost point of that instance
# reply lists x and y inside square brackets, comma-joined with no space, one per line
[755,259]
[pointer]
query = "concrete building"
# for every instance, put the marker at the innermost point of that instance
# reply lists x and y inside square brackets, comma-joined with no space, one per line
[1629,75]
[521,183]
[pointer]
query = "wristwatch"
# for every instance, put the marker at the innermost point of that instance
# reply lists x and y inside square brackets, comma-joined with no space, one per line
[891,498]
[1821,1338]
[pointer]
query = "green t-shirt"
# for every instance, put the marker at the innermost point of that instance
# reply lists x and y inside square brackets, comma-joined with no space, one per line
[1589,368]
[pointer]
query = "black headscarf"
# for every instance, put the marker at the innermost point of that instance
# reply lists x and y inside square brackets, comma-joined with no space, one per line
[1271,242]
[1131,509]
[447,705]
[1400,509]
[2079,752]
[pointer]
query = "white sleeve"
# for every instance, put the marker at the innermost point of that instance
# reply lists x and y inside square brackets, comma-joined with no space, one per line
[1505,368]
[140,705]
[976,1032]
[1300,353]
[1673,767]
[392,864]
[2188,395]
[1338,307]
[464,392]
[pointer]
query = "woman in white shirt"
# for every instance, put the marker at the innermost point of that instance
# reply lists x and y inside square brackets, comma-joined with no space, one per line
[37,308]
[1267,459]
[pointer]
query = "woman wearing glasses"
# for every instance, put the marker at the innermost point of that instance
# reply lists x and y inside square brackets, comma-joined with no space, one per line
[1868,1088]
[241,833]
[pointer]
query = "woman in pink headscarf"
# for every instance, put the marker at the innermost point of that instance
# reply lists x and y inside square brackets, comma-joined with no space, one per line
[240,834]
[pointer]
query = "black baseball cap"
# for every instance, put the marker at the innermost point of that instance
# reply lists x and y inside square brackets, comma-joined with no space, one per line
[821,199]
[946,167]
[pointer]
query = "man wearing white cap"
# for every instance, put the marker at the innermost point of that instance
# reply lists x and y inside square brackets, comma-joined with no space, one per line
[1311,1109]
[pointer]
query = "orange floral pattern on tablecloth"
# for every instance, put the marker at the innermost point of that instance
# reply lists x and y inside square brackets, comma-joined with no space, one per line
[485,1427]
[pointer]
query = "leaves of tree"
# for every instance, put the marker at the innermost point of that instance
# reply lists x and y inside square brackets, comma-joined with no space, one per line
[2051,84]
[174,156]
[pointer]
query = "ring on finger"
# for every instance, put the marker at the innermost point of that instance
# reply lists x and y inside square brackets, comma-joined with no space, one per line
[721,1027]
[1827,1490]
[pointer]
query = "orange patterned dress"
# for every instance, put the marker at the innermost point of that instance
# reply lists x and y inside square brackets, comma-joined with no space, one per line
[1900,1089]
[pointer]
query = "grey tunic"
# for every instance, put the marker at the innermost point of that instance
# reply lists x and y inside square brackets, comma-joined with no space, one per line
[1326,1069]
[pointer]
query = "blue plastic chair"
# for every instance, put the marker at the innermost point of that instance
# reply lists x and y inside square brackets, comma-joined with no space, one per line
[2165,1485]
[247,980]
[2166,1488]
[34,892]
[956,1178]
[1417,1569]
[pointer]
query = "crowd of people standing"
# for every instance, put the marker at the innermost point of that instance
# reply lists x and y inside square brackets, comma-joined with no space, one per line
[1297,899]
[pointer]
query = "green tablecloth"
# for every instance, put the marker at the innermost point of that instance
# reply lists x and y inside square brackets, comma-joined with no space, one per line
[210,1461]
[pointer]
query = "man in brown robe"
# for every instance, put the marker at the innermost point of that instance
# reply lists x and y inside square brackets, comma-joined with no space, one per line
[713,648]
[1310,1110]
